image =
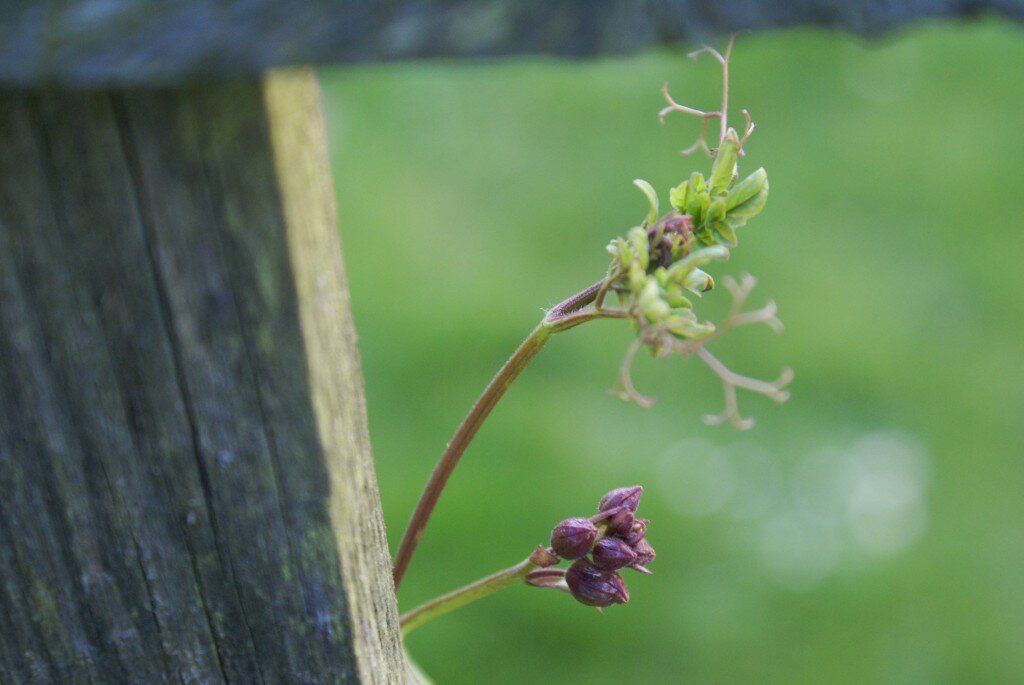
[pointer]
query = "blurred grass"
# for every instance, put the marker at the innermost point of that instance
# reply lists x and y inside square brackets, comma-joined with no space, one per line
[868,531]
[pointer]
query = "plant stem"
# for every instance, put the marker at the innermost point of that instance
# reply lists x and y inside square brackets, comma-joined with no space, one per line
[562,317]
[464,595]
[460,440]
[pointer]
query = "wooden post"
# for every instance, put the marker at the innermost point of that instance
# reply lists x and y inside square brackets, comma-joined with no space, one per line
[186,487]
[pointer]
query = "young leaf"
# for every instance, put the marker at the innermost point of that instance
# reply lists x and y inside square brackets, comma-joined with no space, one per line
[652,199]
[697,206]
[679,271]
[746,189]
[725,163]
[743,212]
[689,329]
[680,196]
[725,230]
[698,183]
[715,211]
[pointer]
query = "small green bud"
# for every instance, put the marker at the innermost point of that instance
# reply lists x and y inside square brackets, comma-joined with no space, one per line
[724,168]
[699,281]
[675,298]
[656,311]
[637,277]
[652,199]
[620,249]
[661,276]
[637,238]
[625,255]
[650,303]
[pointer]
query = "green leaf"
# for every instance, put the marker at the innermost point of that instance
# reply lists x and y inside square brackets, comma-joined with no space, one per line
[678,272]
[652,199]
[725,230]
[705,236]
[724,168]
[743,212]
[697,182]
[690,330]
[715,211]
[698,206]
[747,188]
[679,196]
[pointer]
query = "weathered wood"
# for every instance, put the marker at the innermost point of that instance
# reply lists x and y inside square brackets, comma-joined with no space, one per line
[186,489]
[100,42]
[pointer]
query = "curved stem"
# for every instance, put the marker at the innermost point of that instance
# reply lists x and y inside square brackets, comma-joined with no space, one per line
[562,317]
[461,439]
[464,595]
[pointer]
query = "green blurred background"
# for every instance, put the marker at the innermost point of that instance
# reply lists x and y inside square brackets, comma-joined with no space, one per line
[870,530]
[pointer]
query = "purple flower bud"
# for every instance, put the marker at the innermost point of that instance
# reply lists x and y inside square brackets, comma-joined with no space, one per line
[620,522]
[611,553]
[594,587]
[644,552]
[680,224]
[621,497]
[637,532]
[573,538]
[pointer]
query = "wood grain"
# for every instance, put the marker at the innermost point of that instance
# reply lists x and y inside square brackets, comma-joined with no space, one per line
[186,487]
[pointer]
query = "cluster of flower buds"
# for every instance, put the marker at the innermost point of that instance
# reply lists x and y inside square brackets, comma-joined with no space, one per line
[656,264]
[599,547]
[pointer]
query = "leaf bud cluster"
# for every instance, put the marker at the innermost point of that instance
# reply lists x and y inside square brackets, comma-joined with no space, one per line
[656,266]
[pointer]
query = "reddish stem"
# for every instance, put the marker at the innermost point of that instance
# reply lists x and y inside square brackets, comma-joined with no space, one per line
[562,317]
